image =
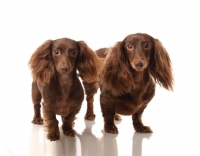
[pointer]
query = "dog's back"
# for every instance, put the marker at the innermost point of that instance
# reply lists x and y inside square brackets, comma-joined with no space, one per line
[102,52]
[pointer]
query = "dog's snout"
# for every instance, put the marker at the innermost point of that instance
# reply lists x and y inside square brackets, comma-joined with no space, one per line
[139,64]
[64,69]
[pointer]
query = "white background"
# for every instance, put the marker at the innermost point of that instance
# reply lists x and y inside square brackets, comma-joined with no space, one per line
[174,116]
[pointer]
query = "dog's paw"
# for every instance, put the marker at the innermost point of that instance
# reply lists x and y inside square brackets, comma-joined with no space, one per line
[53,136]
[111,129]
[143,129]
[70,133]
[38,121]
[90,117]
[118,117]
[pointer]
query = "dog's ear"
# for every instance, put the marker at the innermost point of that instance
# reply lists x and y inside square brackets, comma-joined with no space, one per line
[88,63]
[160,66]
[41,63]
[116,75]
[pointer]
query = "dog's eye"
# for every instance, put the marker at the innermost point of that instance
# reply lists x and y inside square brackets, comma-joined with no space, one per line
[130,46]
[56,52]
[147,45]
[73,52]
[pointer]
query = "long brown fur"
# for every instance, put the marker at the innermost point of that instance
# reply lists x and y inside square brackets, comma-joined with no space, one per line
[54,67]
[41,64]
[127,80]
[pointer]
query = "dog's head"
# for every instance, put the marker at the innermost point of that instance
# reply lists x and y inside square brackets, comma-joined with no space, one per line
[63,55]
[136,53]
[138,49]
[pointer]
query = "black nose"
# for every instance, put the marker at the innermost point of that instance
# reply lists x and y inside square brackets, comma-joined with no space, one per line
[139,64]
[64,69]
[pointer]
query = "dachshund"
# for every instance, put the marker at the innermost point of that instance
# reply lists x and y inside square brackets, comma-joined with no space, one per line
[128,78]
[54,67]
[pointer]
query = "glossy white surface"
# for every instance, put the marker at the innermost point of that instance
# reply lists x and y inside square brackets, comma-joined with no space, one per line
[176,132]
[173,116]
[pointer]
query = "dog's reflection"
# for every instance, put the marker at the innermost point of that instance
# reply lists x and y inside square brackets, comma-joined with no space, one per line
[53,148]
[90,144]
[70,145]
[36,145]
[109,144]
[83,144]
[40,146]
[137,143]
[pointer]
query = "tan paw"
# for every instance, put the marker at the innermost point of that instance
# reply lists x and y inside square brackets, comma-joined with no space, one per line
[111,129]
[90,117]
[70,133]
[143,129]
[118,117]
[53,136]
[38,121]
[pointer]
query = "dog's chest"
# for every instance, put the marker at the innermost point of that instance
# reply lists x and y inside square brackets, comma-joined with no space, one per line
[66,98]
[65,106]
[62,107]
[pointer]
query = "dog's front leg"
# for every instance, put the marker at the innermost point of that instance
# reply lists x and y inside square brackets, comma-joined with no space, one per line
[51,123]
[68,122]
[108,115]
[137,122]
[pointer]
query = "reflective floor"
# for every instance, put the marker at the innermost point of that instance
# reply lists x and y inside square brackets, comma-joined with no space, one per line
[176,132]
[173,116]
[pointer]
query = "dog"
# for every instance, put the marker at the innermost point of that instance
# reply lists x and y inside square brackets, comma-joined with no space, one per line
[54,67]
[128,78]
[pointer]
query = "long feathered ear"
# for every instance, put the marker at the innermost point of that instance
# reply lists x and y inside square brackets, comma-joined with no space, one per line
[41,63]
[160,66]
[116,75]
[88,63]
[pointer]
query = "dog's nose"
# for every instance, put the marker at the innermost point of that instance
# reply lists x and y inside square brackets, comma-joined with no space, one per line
[64,69]
[139,64]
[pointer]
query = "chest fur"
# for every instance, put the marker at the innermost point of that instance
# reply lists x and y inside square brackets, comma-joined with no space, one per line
[63,99]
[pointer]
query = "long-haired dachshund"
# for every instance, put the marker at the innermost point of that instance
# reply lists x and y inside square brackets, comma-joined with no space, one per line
[128,77]
[54,68]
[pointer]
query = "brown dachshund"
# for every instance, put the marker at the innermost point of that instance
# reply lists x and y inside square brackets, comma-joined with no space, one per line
[128,77]
[54,68]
